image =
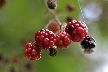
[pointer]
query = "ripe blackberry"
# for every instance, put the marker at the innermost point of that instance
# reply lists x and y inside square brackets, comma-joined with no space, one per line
[54,26]
[77,30]
[53,51]
[32,52]
[88,44]
[63,40]
[52,4]
[45,39]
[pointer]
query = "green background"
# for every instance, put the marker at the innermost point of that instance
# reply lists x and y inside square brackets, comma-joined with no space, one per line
[20,19]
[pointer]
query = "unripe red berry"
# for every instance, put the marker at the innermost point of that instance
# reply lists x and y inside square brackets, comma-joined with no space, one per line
[45,39]
[77,30]
[32,52]
[63,40]
[54,26]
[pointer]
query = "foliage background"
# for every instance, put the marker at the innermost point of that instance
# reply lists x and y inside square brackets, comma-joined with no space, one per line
[20,19]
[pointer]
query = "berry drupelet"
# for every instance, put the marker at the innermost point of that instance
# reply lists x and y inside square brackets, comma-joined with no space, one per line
[88,44]
[63,40]
[45,39]
[77,30]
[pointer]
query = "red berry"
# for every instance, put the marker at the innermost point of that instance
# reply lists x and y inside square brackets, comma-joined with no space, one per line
[45,39]
[54,26]
[29,45]
[63,40]
[32,52]
[77,30]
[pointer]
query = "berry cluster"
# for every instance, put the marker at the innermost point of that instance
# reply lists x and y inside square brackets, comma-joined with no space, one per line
[77,30]
[59,35]
[32,52]
[45,39]
[63,40]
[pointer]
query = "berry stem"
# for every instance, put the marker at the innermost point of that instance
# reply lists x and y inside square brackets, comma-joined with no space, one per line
[47,25]
[51,12]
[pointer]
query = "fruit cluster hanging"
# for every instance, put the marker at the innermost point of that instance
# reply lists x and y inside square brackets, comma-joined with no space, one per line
[59,35]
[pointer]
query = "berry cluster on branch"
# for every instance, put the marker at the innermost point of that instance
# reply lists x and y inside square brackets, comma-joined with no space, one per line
[59,35]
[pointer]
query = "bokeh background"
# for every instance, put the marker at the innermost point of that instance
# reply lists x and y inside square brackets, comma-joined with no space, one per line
[20,19]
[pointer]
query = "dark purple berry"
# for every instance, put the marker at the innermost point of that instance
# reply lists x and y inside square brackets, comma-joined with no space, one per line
[88,44]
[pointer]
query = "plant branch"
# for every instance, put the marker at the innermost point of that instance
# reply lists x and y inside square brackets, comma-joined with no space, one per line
[51,12]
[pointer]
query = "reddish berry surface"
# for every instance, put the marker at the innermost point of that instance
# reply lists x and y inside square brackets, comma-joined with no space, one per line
[54,26]
[77,30]
[45,39]
[32,52]
[63,40]
[29,45]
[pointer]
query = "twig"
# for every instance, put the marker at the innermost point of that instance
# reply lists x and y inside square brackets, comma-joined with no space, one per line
[51,12]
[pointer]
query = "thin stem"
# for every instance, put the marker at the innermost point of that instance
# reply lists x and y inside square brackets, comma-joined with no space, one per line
[48,23]
[51,12]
